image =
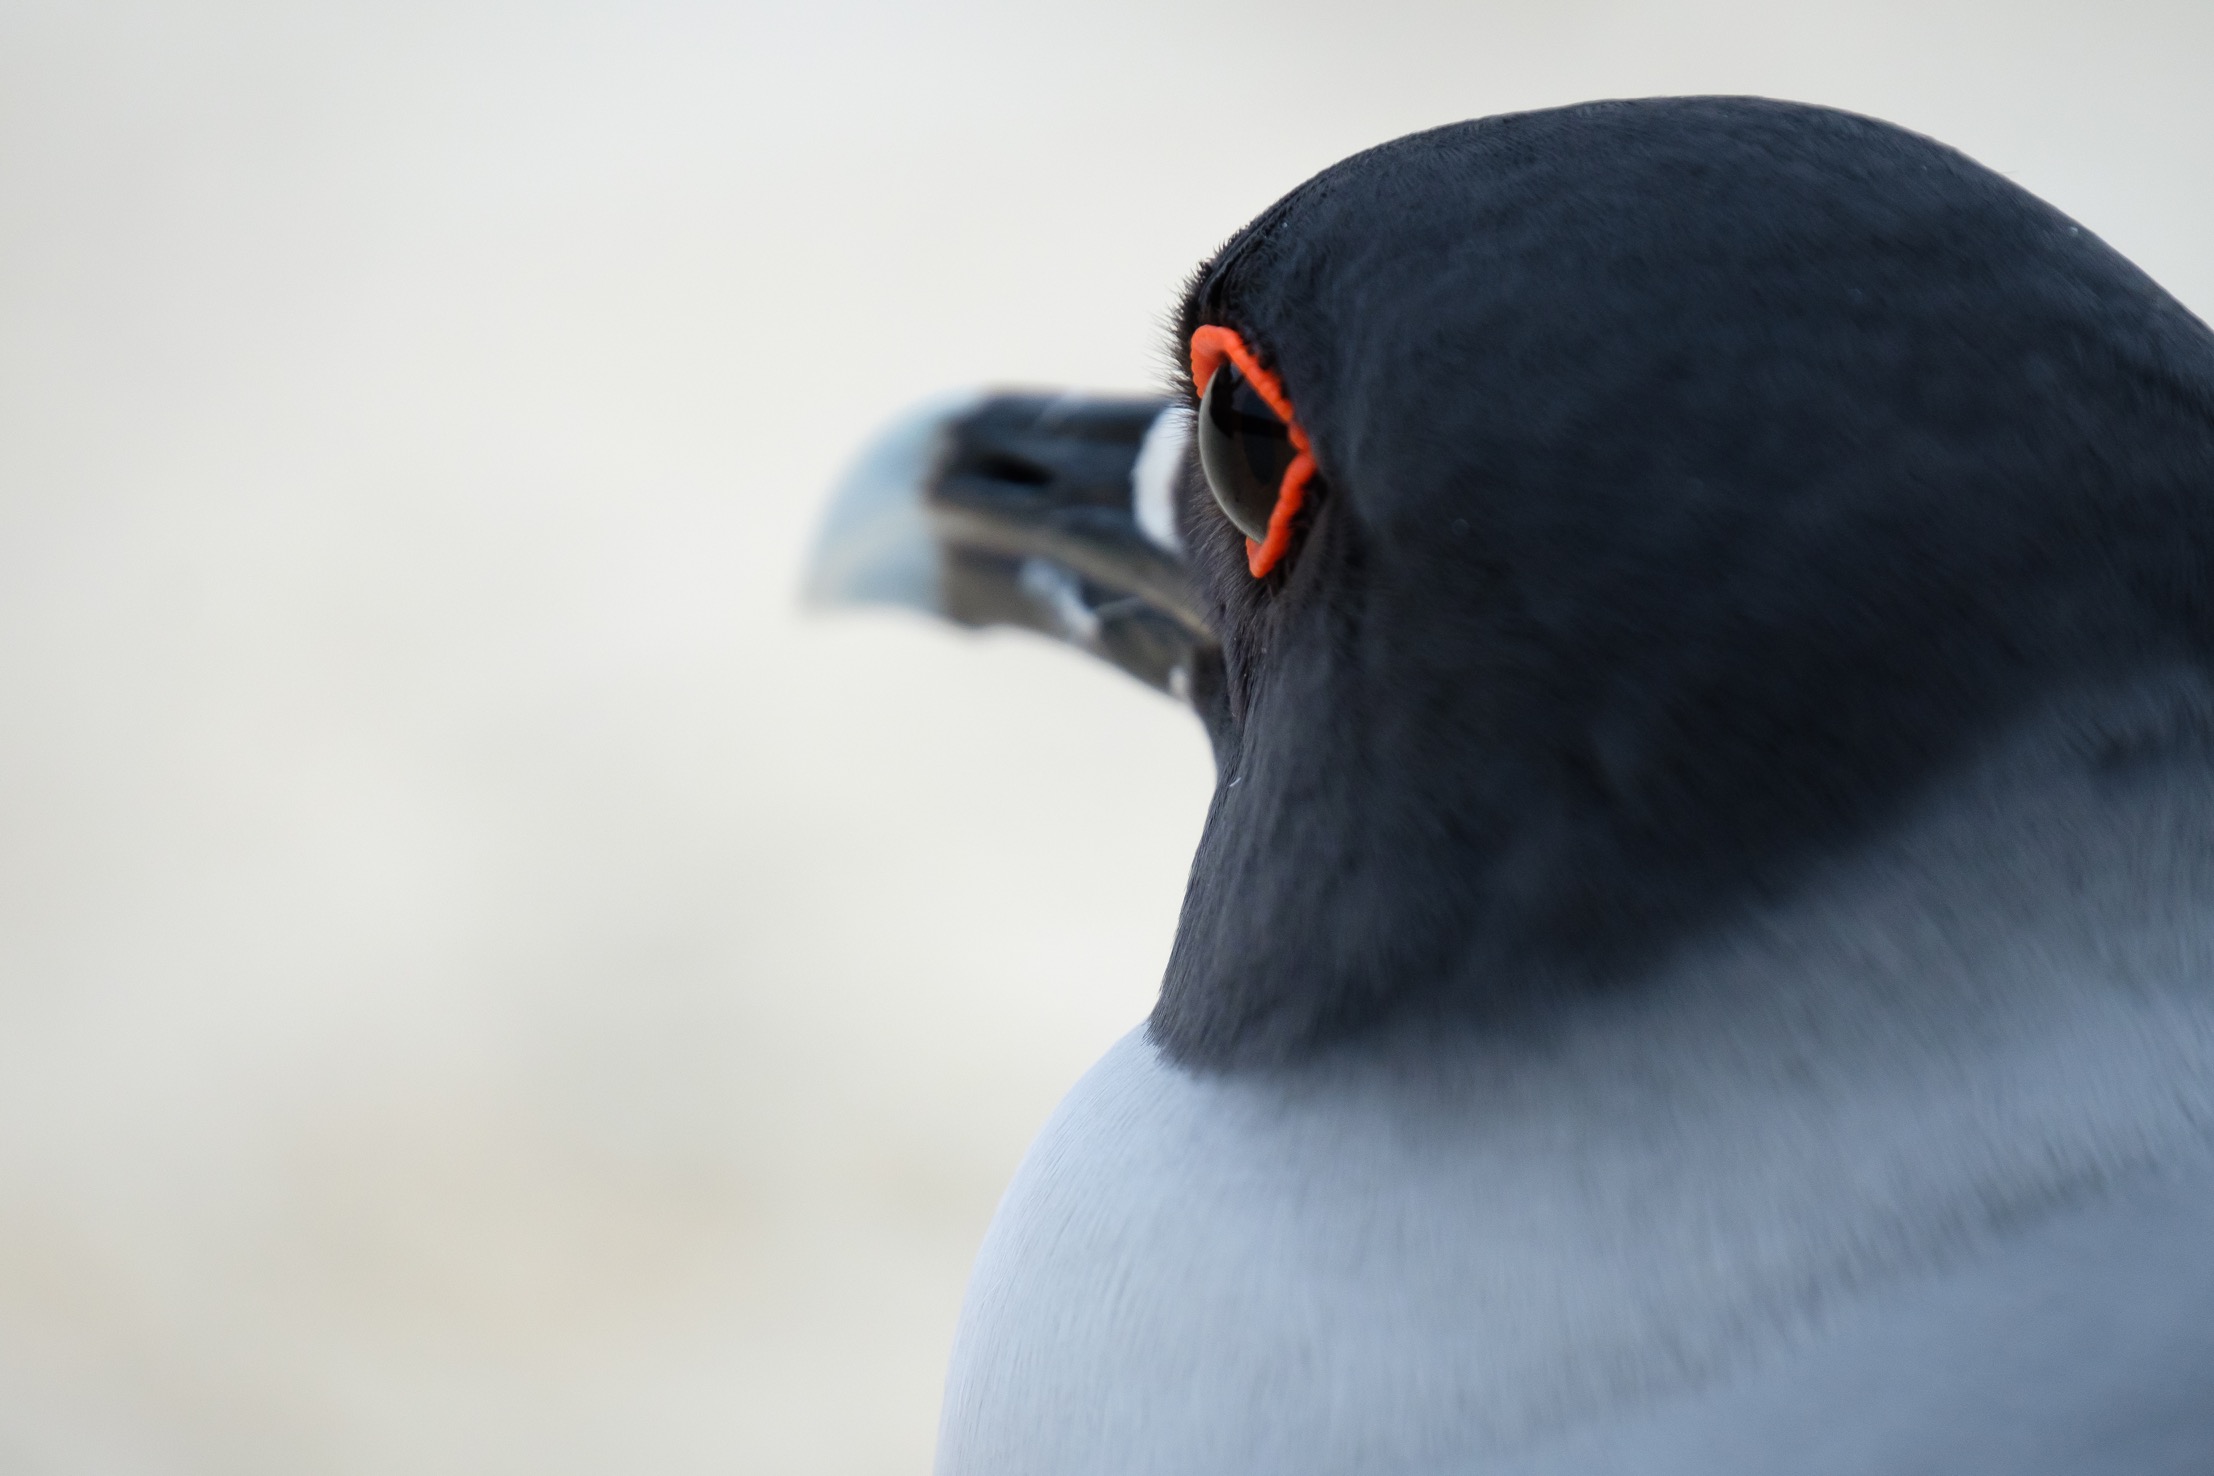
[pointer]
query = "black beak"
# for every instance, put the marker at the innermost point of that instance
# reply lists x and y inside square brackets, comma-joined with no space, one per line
[1054,513]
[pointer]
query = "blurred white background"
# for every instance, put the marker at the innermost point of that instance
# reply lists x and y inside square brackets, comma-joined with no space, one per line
[485,984]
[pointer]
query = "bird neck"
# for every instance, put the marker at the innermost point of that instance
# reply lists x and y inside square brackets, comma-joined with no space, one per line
[2038,938]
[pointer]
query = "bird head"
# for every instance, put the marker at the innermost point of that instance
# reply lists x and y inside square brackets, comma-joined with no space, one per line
[1573,526]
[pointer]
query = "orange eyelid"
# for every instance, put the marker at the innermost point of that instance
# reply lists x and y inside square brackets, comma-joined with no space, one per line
[1211,345]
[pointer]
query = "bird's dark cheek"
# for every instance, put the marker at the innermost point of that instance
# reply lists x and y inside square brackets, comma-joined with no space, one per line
[1248,635]
[1210,696]
[1240,667]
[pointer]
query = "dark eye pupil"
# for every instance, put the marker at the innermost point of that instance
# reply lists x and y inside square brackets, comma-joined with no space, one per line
[1244,449]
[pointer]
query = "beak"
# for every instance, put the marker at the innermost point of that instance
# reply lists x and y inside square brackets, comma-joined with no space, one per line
[1052,513]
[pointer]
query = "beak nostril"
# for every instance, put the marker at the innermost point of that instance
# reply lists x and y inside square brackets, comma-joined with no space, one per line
[1001,467]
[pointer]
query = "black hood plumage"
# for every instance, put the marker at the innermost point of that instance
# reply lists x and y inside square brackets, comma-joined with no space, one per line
[1701,479]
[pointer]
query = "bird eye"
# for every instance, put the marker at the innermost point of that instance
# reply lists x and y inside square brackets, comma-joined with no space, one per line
[1244,448]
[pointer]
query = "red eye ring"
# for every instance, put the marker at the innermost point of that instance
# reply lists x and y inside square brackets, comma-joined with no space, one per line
[1211,347]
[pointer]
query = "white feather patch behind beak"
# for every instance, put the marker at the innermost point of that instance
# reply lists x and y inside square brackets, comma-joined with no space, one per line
[1153,478]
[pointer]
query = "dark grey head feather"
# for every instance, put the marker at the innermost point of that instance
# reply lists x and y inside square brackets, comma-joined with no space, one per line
[1702,480]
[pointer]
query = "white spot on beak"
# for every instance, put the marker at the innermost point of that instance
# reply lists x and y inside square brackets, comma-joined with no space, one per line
[876,546]
[1059,592]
